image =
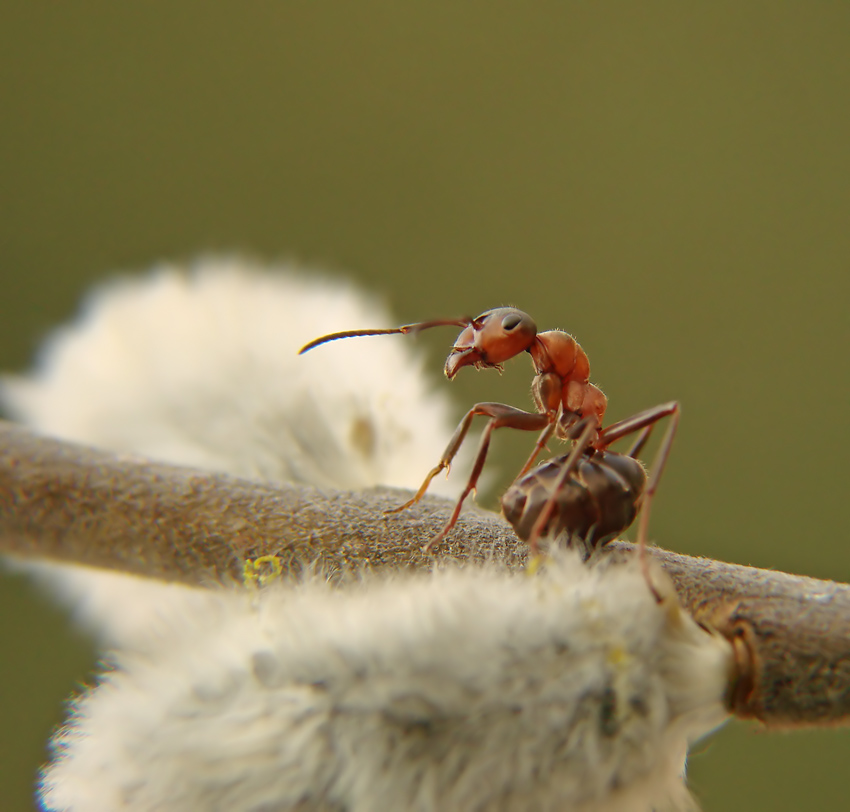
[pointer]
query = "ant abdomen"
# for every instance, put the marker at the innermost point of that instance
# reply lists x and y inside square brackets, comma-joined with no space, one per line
[595,504]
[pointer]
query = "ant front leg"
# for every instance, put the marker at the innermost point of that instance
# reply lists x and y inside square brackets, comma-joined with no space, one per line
[449,454]
[500,416]
[496,411]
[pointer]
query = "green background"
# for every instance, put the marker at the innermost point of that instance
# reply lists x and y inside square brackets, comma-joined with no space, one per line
[670,182]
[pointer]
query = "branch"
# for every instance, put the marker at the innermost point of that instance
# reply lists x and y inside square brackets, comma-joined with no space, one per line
[71,503]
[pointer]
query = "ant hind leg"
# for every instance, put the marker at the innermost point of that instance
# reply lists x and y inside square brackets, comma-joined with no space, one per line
[658,465]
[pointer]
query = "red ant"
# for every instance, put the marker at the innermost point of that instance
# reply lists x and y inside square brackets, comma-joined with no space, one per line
[596,492]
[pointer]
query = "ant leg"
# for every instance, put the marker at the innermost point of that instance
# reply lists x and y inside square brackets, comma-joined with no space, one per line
[493,410]
[538,447]
[634,423]
[501,416]
[448,455]
[657,469]
[581,445]
[637,445]
[646,420]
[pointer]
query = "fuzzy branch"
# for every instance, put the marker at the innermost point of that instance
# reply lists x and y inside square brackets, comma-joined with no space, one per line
[71,503]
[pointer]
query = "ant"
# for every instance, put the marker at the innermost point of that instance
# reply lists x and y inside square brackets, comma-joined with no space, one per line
[593,493]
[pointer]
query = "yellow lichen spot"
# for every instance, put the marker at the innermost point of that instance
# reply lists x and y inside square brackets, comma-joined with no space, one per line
[260,571]
[534,563]
[617,655]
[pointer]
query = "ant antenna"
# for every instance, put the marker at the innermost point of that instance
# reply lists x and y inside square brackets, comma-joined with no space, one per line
[404,329]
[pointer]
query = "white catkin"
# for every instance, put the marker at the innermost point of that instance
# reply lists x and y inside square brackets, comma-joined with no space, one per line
[199,366]
[458,689]
[461,689]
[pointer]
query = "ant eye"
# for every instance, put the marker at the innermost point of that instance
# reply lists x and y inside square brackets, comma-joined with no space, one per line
[511,322]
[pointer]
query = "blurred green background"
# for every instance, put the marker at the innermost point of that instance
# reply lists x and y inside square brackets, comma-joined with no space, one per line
[669,182]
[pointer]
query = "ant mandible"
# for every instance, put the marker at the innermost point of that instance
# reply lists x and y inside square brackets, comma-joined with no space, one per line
[568,406]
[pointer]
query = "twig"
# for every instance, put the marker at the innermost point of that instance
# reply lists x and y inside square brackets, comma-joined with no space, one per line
[71,503]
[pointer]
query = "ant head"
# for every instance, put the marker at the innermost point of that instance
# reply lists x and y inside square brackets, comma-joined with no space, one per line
[491,338]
